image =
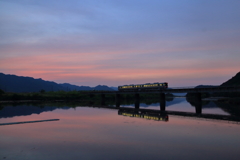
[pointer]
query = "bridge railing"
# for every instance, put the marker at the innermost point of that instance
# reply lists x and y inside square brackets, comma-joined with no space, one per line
[178,89]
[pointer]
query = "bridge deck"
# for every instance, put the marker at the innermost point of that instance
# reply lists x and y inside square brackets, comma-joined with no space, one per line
[177,90]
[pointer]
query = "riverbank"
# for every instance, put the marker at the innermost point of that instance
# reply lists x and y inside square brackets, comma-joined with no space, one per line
[230,100]
[30,101]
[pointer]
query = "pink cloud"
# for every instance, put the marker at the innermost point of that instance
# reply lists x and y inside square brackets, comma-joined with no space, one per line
[117,67]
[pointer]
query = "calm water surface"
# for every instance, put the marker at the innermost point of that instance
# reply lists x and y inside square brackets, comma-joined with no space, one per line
[100,133]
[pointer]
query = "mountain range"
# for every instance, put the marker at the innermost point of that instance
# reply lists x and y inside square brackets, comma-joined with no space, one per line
[17,84]
[13,83]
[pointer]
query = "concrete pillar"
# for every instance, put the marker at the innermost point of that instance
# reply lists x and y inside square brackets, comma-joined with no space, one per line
[102,99]
[198,102]
[162,101]
[137,100]
[162,105]
[137,104]
[117,100]
[162,96]
[117,105]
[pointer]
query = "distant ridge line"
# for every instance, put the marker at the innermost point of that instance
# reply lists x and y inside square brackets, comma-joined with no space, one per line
[20,84]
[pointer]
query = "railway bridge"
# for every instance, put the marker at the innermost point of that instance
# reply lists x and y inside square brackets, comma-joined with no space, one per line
[162,94]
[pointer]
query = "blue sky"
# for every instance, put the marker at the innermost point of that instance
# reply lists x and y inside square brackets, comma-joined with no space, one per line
[185,43]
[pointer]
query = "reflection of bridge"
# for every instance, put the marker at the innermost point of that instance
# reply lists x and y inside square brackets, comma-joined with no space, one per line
[164,115]
[133,112]
[160,116]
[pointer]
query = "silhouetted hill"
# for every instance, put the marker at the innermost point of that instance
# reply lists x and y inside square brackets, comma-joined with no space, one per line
[71,87]
[17,84]
[13,83]
[86,88]
[103,87]
[204,86]
[234,81]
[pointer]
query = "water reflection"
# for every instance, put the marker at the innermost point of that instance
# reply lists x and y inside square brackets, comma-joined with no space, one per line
[157,116]
[177,106]
[102,132]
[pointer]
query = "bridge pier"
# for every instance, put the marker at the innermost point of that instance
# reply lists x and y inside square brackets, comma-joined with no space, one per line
[137,100]
[117,100]
[102,99]
[137,104]
[162,105]
[198,100]
[162,101]
[91,97]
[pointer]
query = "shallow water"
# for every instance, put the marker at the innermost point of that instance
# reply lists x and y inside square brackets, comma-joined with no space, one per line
[101,133]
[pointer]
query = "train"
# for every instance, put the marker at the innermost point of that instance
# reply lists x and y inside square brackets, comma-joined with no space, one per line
[139,87]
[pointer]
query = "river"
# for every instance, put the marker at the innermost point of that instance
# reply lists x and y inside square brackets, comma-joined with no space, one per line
[90,132]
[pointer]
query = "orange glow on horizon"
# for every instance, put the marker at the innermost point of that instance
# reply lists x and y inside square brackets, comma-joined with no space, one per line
[84,68]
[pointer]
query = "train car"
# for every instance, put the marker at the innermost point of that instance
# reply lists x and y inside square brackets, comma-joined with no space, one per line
[138,87]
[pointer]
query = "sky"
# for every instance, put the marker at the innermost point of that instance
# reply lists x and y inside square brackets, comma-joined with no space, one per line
[118,42]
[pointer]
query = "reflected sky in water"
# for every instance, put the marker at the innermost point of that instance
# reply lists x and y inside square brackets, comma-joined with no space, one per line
[98,133]
[180,104]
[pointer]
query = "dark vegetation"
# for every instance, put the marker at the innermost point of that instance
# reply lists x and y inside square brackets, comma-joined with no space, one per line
[203,95]
[43,95]
[1,92]
[82,96]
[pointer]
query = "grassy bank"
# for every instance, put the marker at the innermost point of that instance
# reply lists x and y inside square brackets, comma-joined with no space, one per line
[57,95]
[78,96]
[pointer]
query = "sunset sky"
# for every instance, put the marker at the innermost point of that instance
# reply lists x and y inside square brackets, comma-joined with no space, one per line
[117,42]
